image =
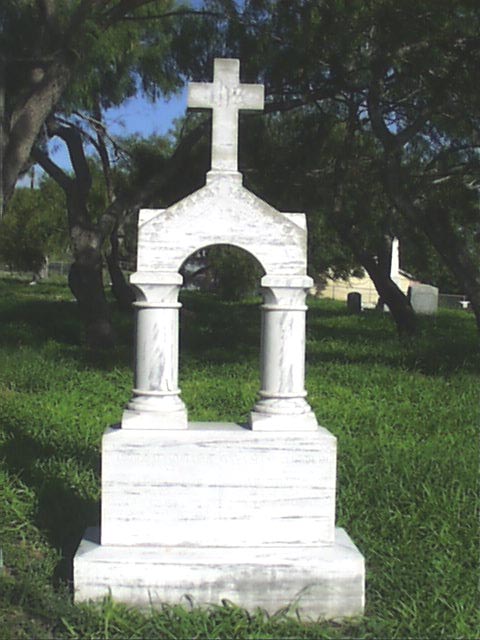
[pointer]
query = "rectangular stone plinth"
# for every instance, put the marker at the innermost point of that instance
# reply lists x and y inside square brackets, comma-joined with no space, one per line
[218,484]
[322,581]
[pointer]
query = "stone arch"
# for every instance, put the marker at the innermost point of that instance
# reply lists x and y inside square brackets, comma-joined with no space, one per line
[241,249]
[234,245]
[167,237]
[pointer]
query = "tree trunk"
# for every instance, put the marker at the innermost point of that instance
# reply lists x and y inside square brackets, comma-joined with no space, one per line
[123,292]
[86,273]
[2,130]
[86,285]
[377,266]
[26,123]
[85,280]
[437,225]
[454,251]
[398,303]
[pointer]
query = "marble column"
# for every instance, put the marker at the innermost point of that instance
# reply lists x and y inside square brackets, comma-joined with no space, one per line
[156,402]
[282,405]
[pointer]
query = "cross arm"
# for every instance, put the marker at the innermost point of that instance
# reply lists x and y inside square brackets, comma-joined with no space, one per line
[200,95]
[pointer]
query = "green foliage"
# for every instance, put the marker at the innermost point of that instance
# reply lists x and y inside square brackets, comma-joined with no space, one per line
[381,110]
[33,227]
[144,158]
[114,58]
[236,274]
[420,259]
[291,162]
[405,414]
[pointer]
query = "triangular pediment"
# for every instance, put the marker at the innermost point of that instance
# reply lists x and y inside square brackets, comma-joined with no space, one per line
[222,212]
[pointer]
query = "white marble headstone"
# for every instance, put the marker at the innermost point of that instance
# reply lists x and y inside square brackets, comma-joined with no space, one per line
[218,510]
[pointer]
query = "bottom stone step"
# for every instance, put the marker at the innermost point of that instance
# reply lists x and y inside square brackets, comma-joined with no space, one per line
[315,581]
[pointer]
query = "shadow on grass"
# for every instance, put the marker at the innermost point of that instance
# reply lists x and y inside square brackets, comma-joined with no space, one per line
[38,323]
[444,344]
[215,331]
[62,513]
[34,322]
[218,331]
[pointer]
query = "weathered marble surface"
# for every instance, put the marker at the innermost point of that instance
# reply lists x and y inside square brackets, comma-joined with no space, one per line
[218,484]
[317,581]
[282,404]
[225,96]
[222,212]
[395,261]
[156,402]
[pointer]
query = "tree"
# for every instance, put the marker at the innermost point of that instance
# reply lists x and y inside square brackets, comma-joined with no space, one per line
[33,228]
[62,50]
[350,218]
[396,76]
[77,58]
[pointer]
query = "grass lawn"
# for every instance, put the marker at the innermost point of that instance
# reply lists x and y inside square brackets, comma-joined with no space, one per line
[406,415]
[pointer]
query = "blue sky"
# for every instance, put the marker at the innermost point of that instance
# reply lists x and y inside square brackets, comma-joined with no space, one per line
[136,116]
[144,118]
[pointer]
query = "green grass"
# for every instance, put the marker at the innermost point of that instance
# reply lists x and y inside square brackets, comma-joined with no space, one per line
[406,415]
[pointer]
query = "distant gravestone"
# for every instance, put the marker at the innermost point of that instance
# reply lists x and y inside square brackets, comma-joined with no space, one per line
[354,302]
[424,299]
[221,511]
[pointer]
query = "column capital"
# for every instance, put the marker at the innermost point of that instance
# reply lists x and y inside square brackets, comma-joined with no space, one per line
[156,289]
[285,293]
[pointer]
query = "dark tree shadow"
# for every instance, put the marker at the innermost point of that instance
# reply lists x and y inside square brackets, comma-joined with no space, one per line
[62,512]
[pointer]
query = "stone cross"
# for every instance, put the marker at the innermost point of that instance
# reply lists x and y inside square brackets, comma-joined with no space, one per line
[225,96]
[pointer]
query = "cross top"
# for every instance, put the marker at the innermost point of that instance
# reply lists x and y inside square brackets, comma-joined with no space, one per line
[225,96]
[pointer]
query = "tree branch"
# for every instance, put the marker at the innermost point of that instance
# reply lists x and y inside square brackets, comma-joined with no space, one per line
[103,151]
[99,126]
[46,9]
[406,134]
[72,138]
[294,103]
[144,194]
[379,127]
[78,19]
[52,169]
[173,14]
[28,119]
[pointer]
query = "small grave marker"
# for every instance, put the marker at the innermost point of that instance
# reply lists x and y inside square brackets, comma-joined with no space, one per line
[424,299]
[354,302]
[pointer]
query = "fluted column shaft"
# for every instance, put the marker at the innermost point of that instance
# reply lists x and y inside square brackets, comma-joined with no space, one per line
[156,402]
[282,404]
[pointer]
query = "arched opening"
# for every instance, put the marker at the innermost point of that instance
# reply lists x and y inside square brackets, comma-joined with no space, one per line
[227,270]
[220,329]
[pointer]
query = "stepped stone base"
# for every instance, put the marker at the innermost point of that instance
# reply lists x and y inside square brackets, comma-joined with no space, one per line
[218,511]
[317,582]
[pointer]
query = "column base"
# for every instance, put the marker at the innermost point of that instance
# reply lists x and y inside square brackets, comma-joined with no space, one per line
[154,421]
[283,422]
[313,581]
